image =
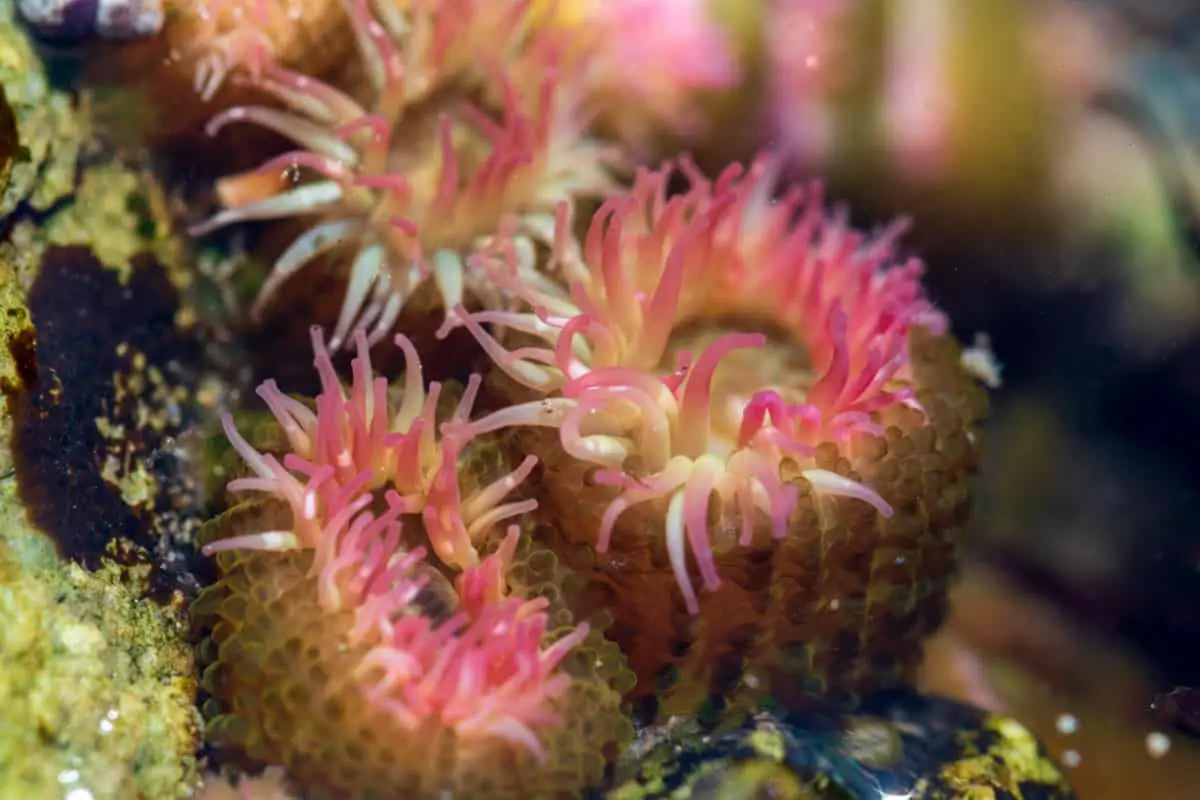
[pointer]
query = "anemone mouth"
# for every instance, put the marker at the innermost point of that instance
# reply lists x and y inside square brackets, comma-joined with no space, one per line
[782,365]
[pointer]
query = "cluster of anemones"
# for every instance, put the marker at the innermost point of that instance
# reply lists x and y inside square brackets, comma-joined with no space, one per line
[438,654]
[722,385]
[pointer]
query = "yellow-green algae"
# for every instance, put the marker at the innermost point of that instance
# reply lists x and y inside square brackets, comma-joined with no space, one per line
[96,690]
[14,321]
[119,212]
[9,140]
[96,682]
[989,758]
[1005,762]
[51,133]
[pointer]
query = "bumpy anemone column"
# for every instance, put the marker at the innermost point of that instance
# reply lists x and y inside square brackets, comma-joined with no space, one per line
[739,391]
[469,134]
[340,650]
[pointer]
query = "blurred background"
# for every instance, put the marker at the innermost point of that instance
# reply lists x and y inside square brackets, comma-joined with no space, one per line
[1048,155]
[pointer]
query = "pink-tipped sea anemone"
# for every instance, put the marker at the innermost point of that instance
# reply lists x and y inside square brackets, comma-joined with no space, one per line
[375,632]
[470,132]
[755,435]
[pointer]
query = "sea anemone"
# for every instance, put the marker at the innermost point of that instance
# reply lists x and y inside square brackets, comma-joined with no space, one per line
[728,371]
[340,651]
[415,180]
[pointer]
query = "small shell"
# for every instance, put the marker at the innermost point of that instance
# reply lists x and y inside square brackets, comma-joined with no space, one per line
[78,20]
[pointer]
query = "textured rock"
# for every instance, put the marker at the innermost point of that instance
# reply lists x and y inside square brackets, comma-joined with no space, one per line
[897,745]
[97,687]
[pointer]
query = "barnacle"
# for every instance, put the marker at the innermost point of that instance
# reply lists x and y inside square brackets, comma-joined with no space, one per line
[340,651]
[413,181]
[728,387]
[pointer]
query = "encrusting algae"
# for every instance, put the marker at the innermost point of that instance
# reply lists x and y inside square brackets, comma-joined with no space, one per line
[97,689]
[718,450]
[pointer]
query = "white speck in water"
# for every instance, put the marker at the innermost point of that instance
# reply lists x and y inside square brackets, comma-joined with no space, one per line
[68,776]
[1158,744]
[980,360]
[106,726]
[1071,758]
[79,794]
[1066,724]
[835,604]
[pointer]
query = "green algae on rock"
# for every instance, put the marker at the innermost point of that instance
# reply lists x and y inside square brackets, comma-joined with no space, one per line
[900,744]
[16,331]
[97,686]
[10,141]
[118,211]
[51,133]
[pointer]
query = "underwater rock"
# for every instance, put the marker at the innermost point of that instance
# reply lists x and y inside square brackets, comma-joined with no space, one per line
[106,392]
[51,134]
[97,687]
[71,20]
[16,334]
[96,354]
[899,744]
[9,139]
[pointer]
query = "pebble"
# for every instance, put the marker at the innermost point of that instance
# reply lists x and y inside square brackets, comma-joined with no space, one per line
[79,20]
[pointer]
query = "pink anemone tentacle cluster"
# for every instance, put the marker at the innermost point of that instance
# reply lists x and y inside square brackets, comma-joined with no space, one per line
[352,444]
[652,262]
[487,671]
[489,176]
